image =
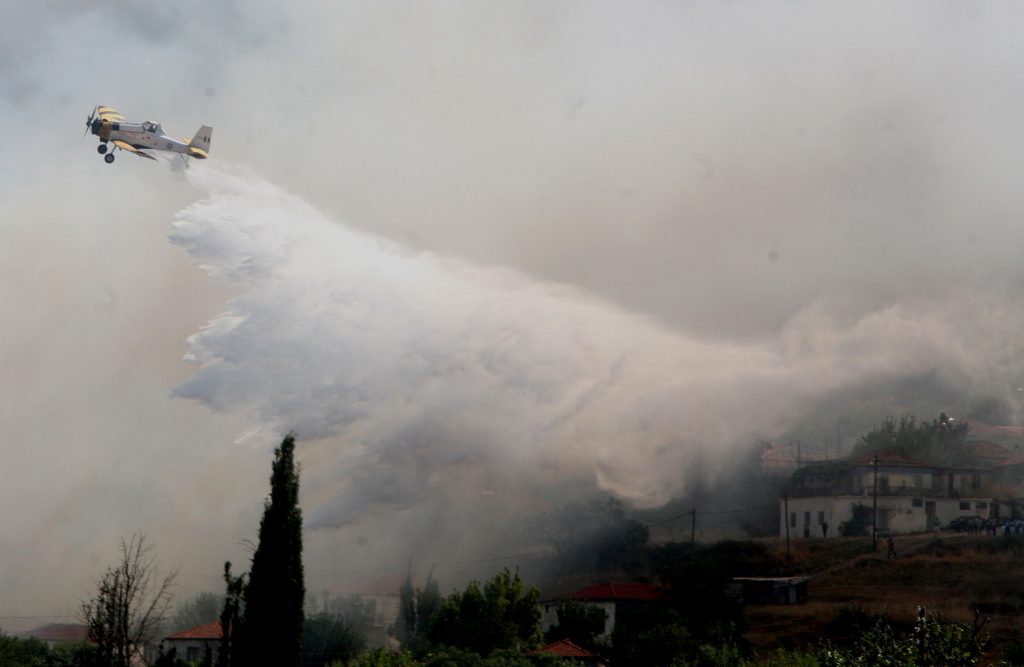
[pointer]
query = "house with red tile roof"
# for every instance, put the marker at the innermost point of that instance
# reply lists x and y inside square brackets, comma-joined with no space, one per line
[564,648]
[191,645]
[985,454]
[615,598]
[55,634]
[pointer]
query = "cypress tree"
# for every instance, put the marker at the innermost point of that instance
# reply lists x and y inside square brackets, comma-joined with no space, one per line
[274,594]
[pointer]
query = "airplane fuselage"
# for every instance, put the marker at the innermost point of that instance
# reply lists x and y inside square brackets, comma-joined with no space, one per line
[139,135]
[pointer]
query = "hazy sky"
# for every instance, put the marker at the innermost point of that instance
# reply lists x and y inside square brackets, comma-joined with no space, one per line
[470,250]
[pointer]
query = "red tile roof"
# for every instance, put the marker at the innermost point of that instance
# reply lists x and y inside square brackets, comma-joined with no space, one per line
[211,630]
[1015,460]
[565,649]
[982,428]
[890,459]
[60,632]
[619,591]
[988,449]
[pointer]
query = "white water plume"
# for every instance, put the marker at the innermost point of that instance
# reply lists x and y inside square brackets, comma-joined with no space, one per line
[410,363]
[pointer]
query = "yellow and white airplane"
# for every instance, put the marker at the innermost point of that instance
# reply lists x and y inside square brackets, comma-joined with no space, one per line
[111,127]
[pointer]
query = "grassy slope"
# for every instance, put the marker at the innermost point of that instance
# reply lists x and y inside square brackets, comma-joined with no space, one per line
[951,575]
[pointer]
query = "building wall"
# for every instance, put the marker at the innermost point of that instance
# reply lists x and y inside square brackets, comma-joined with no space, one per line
[898,479]
[549,615]
[897,514]
[197,646]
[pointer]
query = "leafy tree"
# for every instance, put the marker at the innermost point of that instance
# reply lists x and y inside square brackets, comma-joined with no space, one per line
[698,578]
[932,643]
[328,638]
[131,601]
[938,441]
[383,657]
[358,613]
[449,656]
[18,652]
[502,615]
[579,623]
[653,637]
[201,609]
[275,592]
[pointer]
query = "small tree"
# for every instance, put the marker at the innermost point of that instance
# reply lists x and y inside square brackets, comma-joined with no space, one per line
[131,600]
[230,615]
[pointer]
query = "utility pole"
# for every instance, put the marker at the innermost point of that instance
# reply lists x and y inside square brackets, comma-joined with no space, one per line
[693,526]
[874,504]
[785,519]
[839,438]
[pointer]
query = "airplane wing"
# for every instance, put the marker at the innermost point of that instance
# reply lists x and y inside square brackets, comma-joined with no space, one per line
[109,113]
[124,145]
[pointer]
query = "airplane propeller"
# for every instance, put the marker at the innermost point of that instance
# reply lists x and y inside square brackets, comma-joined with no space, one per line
[88,122]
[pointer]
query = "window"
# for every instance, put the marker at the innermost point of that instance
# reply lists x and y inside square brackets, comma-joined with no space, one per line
[807,518]
[792,519]
[982,506]
[821,518]
[917,502]
[965,506]
[975,481]
[192,653]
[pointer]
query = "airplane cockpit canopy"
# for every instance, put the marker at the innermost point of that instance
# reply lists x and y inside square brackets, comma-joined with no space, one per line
[150,126]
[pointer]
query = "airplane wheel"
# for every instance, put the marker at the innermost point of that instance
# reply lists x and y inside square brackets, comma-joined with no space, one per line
[101,149]
[108,158]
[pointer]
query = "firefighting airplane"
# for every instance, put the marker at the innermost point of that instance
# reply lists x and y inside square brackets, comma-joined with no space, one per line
[110,126]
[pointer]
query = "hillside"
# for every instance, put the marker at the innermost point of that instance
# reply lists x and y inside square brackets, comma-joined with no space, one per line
[950,575]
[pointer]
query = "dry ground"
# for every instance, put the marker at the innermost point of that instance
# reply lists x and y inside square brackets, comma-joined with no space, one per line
[951,575]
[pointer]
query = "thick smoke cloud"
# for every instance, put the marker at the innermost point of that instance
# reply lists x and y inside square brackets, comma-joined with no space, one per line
[493,251]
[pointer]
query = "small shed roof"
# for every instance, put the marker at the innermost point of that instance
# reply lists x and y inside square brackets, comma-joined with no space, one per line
[564,649]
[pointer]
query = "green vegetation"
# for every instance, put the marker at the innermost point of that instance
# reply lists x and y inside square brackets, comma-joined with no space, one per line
[17,652]
[939,441]
[328,638]
[579,623]
[501,615]
[416,610]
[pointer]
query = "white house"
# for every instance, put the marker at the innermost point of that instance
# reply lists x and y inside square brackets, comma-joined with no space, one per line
[191,644]
[912,496]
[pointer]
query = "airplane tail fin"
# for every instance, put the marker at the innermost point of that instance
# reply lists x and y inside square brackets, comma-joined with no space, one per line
[199,145]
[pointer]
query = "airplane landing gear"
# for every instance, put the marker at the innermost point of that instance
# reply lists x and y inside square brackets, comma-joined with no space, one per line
[108,158]
[101,149]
